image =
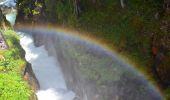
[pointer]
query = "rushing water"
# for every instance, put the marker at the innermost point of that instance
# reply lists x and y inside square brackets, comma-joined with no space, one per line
[47,71]
[125,84]
[81,63]
[11,16]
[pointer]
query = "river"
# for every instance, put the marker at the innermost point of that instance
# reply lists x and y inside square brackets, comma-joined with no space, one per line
[65,78]
[47,71]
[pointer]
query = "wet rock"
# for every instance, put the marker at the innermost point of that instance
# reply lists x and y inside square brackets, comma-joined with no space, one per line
[29,76]
[91,84]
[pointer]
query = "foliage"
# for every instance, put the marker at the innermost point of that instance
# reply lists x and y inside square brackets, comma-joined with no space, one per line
[12,86]
[126,29]
[25,6]
[59,11]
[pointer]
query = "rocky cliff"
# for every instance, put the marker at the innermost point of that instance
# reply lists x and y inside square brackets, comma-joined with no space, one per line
[92,73]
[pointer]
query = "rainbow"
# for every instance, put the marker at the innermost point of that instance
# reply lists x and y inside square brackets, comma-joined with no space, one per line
[93,40]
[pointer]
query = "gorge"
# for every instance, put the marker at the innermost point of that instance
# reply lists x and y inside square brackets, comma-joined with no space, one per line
[70,67]
[91,72]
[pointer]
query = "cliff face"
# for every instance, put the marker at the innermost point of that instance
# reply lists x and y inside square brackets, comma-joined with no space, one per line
[92,73]
[29,76]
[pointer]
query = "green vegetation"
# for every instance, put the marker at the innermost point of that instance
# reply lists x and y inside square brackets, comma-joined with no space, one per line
[12,85]
[129,30]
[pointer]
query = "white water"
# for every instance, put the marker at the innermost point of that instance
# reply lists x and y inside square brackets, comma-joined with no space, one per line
[11,17]
[47,71]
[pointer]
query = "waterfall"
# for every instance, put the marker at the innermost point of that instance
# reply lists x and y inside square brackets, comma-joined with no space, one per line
[83,65]
[120,81]
[9,6]
[8,3]
[47,70]
[11,17]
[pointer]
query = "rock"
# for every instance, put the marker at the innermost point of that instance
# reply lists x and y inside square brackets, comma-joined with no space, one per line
[30,77]
[124,85]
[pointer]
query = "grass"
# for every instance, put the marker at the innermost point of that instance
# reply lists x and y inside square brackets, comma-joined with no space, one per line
[12,85]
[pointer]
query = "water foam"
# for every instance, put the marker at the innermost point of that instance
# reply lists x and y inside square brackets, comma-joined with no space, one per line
[47,70]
